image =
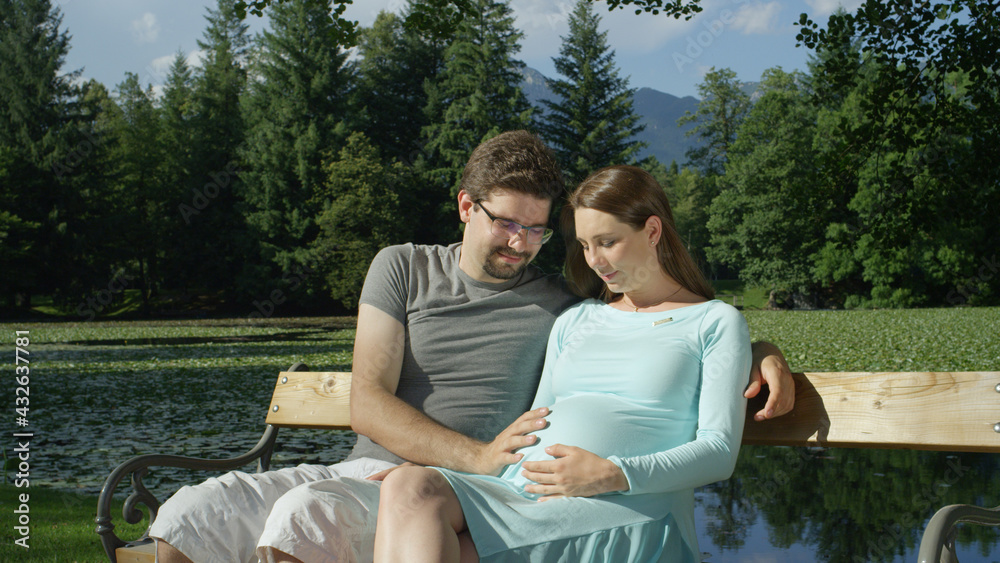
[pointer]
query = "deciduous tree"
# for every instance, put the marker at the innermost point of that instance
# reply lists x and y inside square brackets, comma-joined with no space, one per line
[357,179]
[720,113]
[771,217]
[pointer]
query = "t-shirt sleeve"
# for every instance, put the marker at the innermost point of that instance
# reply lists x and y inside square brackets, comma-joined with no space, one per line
[386,284]
[711,456]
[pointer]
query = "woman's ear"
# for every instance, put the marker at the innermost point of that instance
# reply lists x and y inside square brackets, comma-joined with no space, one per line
[653,229]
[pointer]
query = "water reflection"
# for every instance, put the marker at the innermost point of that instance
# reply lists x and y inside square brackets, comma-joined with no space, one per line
[843,505]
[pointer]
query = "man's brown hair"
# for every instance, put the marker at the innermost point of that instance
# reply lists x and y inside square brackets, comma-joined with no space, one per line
[517,161]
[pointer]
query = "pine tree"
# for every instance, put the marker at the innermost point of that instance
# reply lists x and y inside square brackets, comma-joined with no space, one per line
[213,231]
[394,62]
[294,109]
[177,114]
[592,124]
[477,95]
[139,184]
[35,140]
[218,87]
[176,109]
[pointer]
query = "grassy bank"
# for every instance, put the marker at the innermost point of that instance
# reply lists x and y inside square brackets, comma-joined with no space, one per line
[746,297]
[61,526]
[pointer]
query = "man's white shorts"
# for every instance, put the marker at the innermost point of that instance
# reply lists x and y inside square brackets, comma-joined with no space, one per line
[313,512]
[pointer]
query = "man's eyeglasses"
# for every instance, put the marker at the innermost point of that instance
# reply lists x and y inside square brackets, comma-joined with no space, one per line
[504,228]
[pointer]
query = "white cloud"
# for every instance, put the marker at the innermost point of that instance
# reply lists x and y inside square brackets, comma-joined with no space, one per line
[757,18]
[823,8]
[196,59]
[158,69]
[366,12]
[145,29]
[644,33]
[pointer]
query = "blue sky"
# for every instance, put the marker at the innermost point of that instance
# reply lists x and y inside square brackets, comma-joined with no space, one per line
[111,37]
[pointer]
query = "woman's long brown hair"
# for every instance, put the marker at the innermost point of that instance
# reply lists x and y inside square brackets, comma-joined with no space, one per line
[631,195]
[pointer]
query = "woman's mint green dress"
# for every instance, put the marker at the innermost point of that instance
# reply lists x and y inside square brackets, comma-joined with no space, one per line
[660,395]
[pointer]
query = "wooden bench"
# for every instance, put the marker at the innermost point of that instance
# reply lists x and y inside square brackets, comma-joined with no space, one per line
[939,411]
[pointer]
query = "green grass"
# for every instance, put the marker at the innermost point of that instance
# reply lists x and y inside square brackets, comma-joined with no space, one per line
[750,297]
[61,526]
[956,339]
[124,304]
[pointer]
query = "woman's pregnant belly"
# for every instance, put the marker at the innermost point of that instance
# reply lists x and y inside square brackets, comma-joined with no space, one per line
[605,425]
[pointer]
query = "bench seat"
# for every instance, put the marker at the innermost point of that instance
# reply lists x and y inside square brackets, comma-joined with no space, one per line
[938,411]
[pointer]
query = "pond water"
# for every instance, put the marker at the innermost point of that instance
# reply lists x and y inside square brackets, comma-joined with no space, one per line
[816,504]
[101,394]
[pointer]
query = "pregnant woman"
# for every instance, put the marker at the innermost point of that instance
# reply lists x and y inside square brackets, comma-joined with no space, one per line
[644,380]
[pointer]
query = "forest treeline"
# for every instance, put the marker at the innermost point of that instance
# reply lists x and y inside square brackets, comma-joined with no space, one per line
[270,174]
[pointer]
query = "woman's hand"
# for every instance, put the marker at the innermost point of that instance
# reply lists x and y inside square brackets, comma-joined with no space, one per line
[574,473]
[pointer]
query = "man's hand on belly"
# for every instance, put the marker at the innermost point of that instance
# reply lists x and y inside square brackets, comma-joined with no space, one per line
[574,473]
[499,453]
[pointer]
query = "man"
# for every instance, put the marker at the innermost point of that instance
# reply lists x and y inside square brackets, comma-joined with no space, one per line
[449,347]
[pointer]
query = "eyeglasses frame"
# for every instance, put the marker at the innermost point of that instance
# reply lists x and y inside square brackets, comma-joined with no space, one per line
[546,234]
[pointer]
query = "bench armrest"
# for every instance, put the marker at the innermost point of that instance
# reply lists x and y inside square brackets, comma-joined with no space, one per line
[938,542]
[137,467]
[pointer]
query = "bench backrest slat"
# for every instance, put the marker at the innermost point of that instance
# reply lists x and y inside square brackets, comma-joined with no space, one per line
[941,411]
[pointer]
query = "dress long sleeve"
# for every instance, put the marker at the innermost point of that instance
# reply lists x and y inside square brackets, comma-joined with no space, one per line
[711,457]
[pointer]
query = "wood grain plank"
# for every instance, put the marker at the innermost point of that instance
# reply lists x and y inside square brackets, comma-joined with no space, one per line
[304,399]
[944,411]
[144,553]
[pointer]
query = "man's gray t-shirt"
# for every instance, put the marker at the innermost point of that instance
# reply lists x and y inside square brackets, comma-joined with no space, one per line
[473,350]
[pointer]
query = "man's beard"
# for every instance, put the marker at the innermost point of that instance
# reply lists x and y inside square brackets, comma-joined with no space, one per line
[496,268]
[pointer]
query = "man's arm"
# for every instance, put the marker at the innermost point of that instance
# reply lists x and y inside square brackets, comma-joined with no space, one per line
[771,369]
[392,423]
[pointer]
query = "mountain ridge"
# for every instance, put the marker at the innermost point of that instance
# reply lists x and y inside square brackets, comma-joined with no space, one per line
[658,112]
